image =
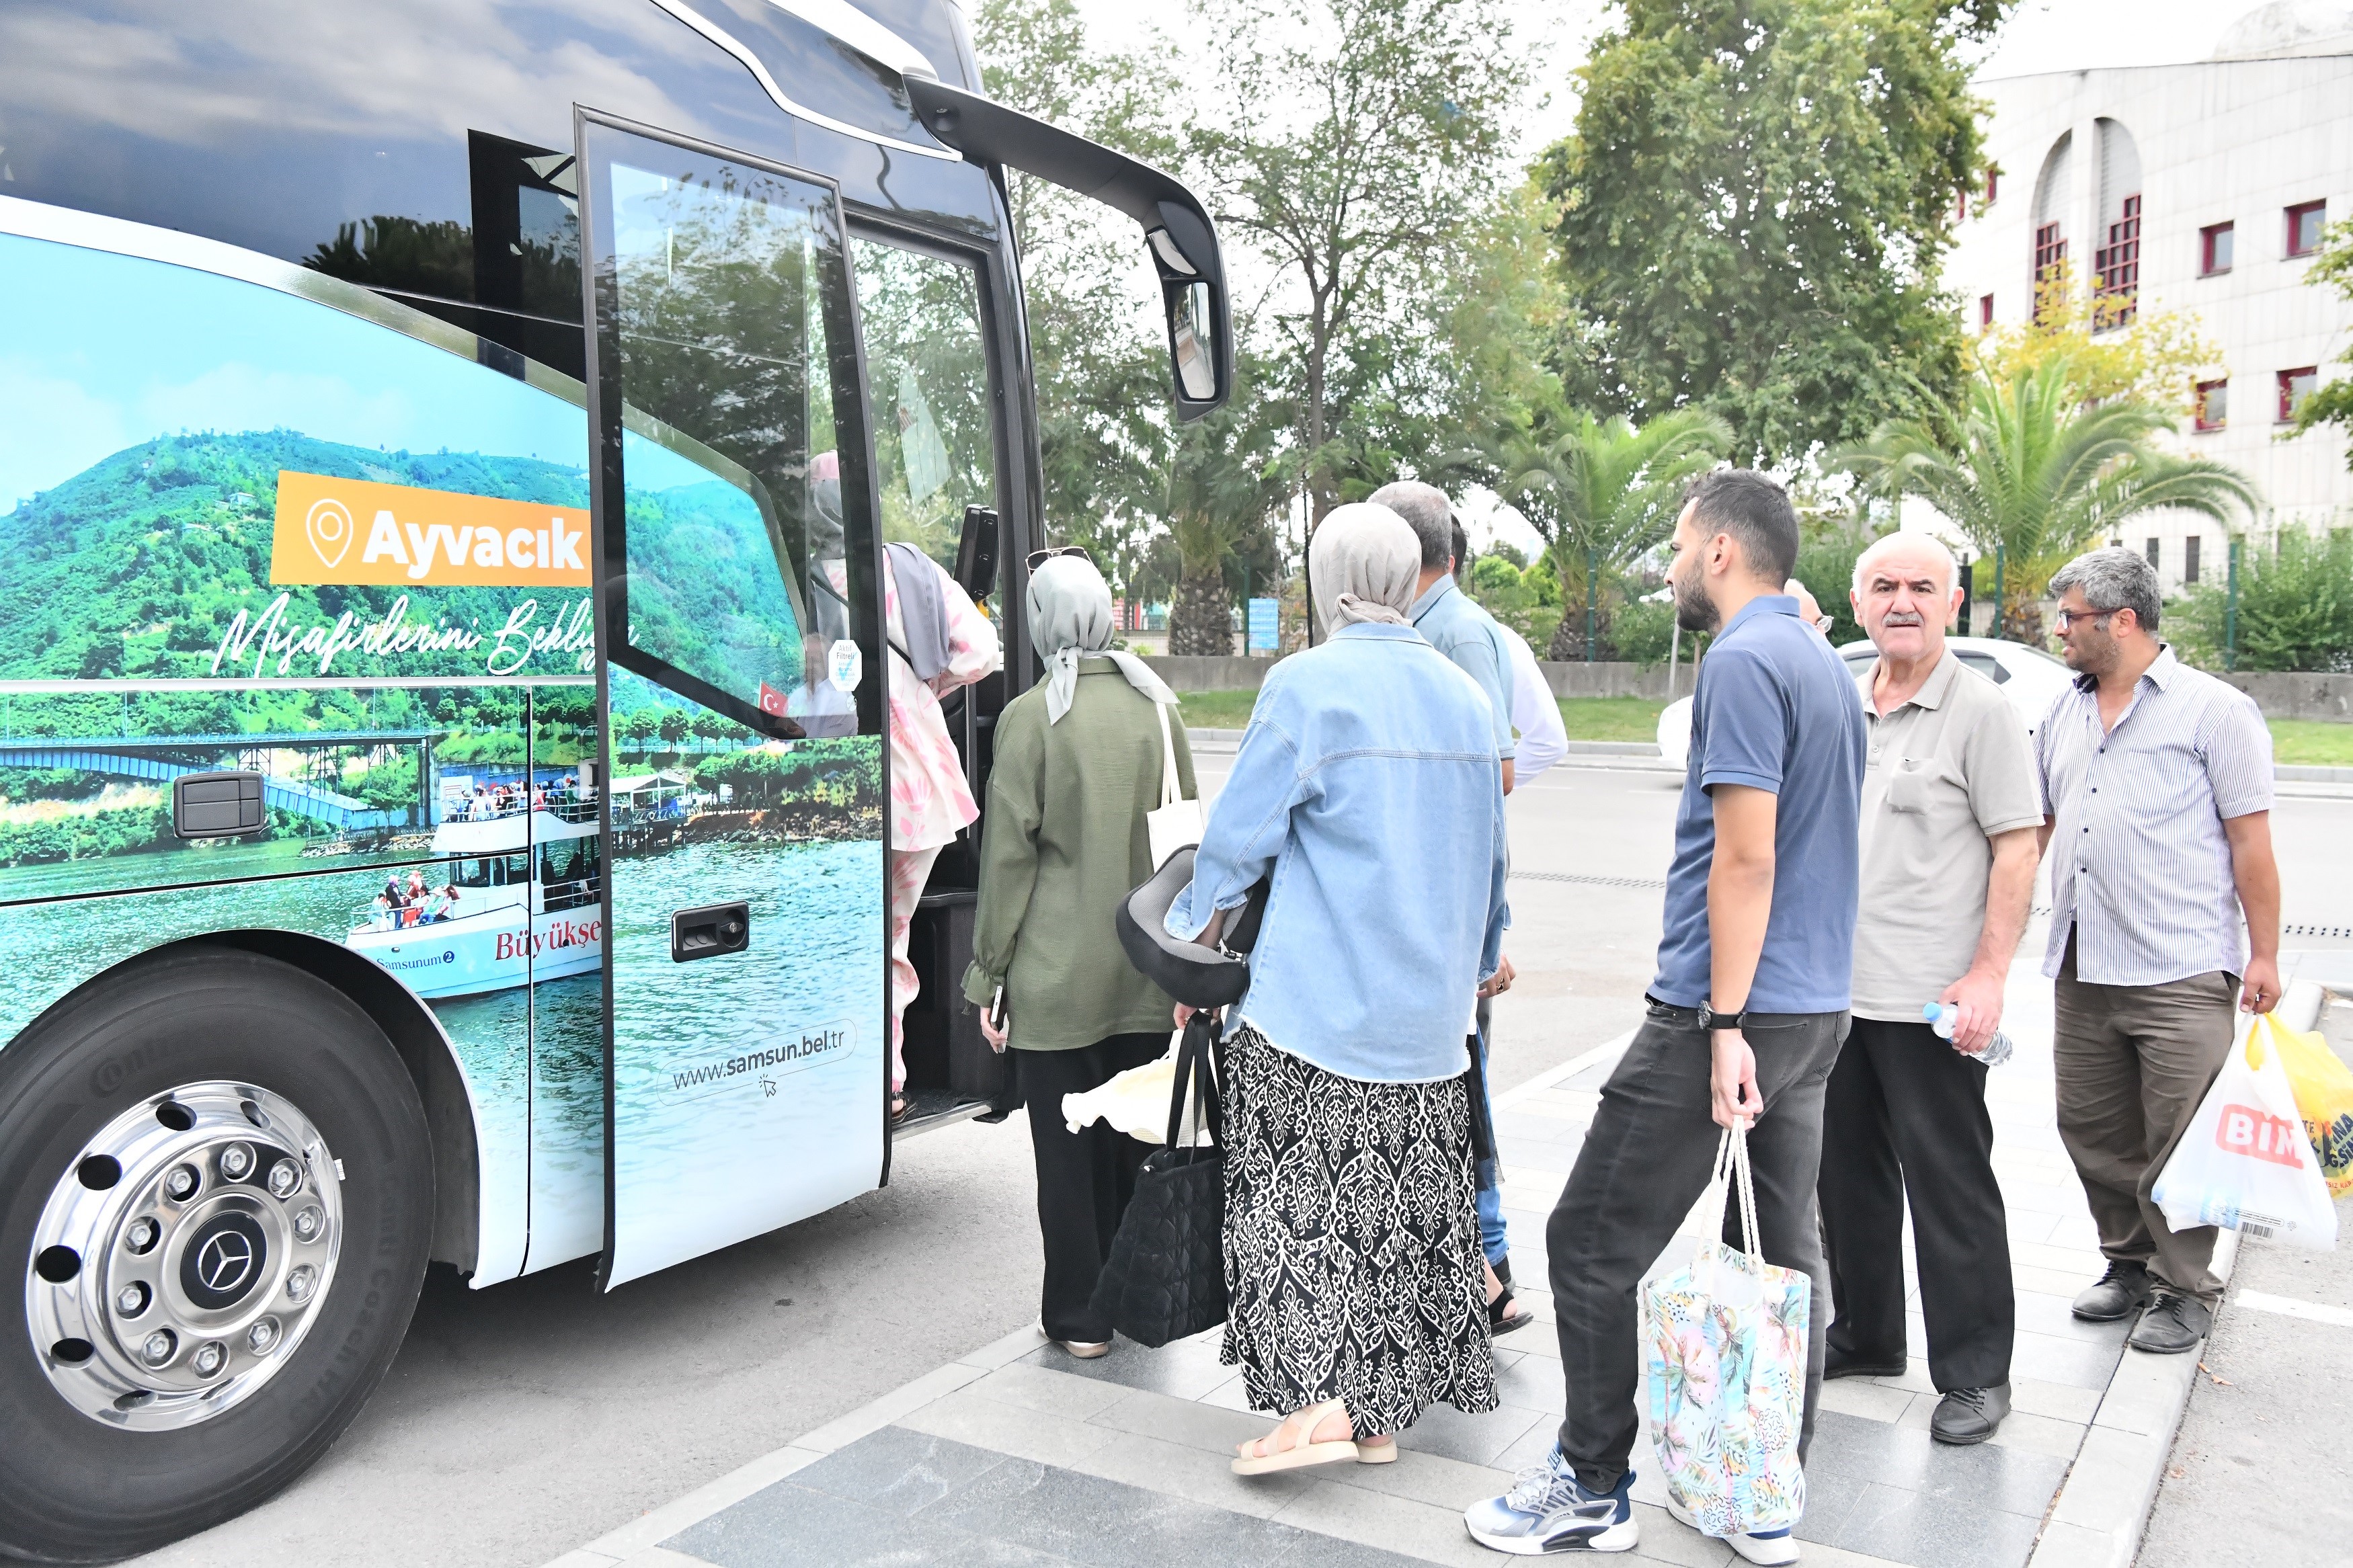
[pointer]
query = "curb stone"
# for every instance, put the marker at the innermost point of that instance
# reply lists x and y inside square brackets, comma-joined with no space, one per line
[2102,1507]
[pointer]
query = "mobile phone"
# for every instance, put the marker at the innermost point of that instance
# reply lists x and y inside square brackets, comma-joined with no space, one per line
[996,1011]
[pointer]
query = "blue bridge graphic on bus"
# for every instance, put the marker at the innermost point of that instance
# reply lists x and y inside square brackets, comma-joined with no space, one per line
[158,759]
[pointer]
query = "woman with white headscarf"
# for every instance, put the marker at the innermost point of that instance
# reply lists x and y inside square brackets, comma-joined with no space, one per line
[1368,793]
[1078,764]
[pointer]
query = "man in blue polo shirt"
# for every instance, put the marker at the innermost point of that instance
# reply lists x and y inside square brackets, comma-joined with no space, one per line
[1746,1016]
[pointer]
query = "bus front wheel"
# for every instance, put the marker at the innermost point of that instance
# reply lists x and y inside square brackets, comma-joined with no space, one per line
[216,1183]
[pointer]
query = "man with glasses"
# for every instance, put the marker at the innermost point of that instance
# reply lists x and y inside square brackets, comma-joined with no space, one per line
[2156,788]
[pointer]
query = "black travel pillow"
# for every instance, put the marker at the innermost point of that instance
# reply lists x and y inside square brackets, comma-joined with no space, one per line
[1196,975]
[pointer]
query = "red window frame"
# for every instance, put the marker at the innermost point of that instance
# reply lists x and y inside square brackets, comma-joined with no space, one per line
[2206,416]
[2049,259]
[2115,271]
[1994,185]
[2295,216]
[2287,397]
[2207,246]
[1985,312]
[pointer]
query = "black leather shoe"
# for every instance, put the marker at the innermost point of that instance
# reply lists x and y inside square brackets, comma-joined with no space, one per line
[1968,1415]
[2173,1323]
[1837,1365]
[2118,1295]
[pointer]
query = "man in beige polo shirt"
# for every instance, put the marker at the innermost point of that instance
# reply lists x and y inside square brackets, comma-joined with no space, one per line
[1950,806]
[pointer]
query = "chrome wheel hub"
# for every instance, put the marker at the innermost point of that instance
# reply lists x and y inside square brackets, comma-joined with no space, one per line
[183,1253]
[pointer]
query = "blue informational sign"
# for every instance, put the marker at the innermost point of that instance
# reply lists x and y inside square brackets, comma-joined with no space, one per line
[1262,637]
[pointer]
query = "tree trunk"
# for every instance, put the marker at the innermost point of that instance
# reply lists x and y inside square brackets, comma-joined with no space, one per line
[1200,621]
[2022,616]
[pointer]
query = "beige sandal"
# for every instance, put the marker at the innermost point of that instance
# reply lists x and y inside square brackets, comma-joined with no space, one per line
[1303,1451]
[1384,1452]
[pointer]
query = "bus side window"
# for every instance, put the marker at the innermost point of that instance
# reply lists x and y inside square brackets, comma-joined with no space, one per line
[927,383]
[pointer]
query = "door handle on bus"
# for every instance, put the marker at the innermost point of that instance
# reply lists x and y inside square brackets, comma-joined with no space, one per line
[708,931]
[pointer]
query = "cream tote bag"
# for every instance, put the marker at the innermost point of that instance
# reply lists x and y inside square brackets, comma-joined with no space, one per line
[1178,822]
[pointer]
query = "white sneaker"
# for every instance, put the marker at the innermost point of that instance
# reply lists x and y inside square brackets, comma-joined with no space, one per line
[1773,1547]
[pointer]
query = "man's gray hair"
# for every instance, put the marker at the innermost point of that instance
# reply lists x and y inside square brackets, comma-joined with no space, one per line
[1886,544]
[1428,512]
[2112,578]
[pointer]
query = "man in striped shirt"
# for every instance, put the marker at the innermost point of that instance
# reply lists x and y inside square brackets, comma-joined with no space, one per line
[2156,785]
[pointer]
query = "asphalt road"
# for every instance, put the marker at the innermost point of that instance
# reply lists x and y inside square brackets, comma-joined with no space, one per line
[521,1421]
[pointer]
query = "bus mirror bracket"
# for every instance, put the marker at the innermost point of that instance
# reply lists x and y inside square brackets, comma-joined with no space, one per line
[977,551]
[1179,234]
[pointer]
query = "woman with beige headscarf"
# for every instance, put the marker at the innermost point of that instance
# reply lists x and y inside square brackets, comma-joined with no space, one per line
[1079,762]
[1368,793]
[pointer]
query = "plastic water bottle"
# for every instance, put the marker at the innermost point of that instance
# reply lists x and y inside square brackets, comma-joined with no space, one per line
[1942,1016]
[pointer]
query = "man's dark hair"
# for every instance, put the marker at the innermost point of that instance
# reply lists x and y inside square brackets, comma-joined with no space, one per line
[1753,509]
[1461,546]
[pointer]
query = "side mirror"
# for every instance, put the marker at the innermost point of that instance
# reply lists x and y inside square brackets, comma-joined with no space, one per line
[976,567]
[1193,293]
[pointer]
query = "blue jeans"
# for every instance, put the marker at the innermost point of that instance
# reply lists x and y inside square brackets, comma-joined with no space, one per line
[1491,1240]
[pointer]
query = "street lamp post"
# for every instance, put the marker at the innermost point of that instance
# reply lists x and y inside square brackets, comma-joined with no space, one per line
[2231,612]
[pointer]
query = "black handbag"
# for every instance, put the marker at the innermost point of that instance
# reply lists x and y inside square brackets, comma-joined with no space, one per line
[1166,1278]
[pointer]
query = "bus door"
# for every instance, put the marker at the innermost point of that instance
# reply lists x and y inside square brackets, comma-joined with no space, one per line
[741,700]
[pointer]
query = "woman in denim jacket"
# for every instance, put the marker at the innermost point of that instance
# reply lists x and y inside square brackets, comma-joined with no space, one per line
[1369,788]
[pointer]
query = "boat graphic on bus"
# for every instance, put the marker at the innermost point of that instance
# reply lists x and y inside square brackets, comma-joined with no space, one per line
[511,900]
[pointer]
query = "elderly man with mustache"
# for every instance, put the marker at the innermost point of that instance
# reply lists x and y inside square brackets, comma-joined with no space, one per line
[1951,810]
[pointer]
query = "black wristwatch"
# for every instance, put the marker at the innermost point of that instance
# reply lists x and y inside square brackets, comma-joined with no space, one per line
[1710,1020]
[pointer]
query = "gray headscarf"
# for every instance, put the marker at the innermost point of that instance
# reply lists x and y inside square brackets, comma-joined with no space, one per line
[1069,615]
[1364,560]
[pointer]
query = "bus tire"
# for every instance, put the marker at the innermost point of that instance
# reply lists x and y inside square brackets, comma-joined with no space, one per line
[231,1146]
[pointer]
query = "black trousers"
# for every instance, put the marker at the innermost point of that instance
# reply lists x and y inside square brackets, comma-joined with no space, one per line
[1084,1178]
[1644,1163]
[1906,1113]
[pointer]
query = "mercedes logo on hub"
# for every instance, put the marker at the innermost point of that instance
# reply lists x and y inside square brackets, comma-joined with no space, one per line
[224,1261]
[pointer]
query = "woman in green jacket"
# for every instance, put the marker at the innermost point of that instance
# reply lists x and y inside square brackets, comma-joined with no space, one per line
[1079,760]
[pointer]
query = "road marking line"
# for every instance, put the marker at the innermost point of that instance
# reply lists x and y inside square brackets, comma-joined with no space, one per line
[1568,1069]
[2289,1307]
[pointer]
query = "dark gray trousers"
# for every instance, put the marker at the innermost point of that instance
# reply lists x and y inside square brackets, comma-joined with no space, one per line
[1644,1163]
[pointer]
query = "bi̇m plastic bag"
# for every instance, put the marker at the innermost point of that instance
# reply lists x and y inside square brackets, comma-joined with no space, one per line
[1723,1343]
[2323,1094]
[2243,1163]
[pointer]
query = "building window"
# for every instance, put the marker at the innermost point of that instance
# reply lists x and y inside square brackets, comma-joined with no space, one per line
[2214,249]
[2189,561]
[2050,272]
[2304,226]
[1985,312]
[2152,552]
[2295,386]
[1994,185]
[2115,268]
[2213,405]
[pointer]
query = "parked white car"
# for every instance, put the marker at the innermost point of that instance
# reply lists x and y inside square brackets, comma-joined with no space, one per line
[2029,676]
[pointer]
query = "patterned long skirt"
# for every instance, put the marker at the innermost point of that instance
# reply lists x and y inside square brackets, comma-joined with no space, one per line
[1352,1246]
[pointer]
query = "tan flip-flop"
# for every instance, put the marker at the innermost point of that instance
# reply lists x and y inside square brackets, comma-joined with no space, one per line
[1304,1451]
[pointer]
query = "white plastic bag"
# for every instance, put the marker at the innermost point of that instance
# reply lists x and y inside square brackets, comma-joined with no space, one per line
[1177,821]
[2244,1163]
[1136,1101]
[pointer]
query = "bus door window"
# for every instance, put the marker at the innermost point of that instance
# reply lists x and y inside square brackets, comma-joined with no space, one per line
[740,628]
[931,395]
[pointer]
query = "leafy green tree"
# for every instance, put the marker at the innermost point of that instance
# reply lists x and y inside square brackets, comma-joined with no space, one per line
[2296,607]
[2332,403]
[1100,363]
[1754,203]
[1601,492]
[1358,141]
[638,726]
[2031,470]
[673,727]
[1228,477]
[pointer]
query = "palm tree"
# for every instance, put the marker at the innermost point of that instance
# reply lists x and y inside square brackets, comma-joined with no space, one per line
[2033,472]
[1601,492]
[1227,476]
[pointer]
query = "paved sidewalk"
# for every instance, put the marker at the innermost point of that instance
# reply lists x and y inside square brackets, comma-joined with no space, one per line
[1019,1454]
